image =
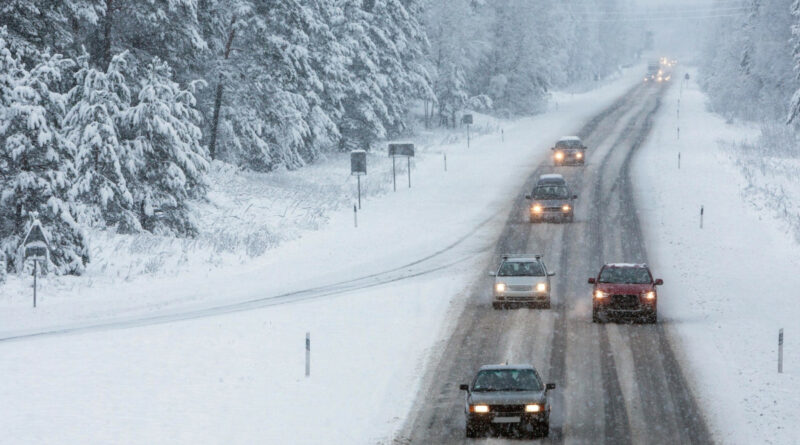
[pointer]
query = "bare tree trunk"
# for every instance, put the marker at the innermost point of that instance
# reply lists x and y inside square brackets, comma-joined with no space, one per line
[105,55]
[212,146]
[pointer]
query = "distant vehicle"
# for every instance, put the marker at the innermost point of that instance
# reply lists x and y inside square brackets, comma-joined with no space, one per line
[507,398]
[521,279]
[551,200]
[652,71]
[625,290]
[569,150]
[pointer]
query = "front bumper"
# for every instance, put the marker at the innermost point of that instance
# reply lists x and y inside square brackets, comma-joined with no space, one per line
[624,309]
[521,297]
[551,215]
[486,419]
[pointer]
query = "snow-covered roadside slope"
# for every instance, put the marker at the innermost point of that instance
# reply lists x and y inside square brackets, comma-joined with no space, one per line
[729,286]
[239,377]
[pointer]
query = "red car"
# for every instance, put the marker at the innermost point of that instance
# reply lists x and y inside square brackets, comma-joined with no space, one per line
[625,290]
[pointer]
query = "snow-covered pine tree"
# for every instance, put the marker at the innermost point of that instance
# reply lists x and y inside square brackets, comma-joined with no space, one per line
[103,164]
[37,162]
[794,105]
[160,132]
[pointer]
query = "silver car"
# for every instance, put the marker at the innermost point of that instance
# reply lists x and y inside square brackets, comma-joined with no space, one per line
[521,279]
[507,399]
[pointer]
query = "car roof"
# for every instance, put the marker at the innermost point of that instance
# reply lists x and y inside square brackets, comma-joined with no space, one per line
[551,176]
[639,265]
[569,138]
[501,366]
[521,258]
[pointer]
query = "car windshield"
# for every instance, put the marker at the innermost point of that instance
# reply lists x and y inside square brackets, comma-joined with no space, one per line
[626,275]
[521,269]
[568,144]
[507,380]
[550,192]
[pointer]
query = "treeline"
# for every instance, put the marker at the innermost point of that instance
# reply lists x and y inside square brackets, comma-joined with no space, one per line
[750,63]
[111,110]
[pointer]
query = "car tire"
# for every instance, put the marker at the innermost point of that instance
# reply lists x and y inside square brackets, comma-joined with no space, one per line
[470,431]
[652,318]
[533,220]
[596,316]
[497,305]
[544,429]
[546,304]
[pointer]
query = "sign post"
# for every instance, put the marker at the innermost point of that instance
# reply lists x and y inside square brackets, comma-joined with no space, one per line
[37,248]
[780,351]
[358,167]
[396,150]
[467,119]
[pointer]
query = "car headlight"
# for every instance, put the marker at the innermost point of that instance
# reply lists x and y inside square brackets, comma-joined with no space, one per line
[600,294]
[579,155]
[500,287]
[533,408]
[541,287]
[650,295]
[479,408]
[565,207]
[536,208]
[559,155]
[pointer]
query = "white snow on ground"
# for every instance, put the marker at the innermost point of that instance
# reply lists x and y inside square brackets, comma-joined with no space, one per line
[238,377]
[729,286]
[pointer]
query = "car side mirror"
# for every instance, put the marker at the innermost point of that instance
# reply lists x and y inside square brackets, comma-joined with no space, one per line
[551,274]
[591,280]
[492,273]
[659,282]
[552,148]
[463,387]
[574,196]
[550,386]
[527,196]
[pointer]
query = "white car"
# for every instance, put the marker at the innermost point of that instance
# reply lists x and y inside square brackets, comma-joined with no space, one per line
[521,279]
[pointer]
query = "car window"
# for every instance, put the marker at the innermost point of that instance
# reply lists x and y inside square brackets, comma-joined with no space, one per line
[625,275]
[521,269]
[551,192]
[507,380]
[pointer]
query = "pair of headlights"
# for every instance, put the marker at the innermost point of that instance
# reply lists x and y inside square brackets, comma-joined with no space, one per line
[651,295]
[531,408]
[501,287]
[560,155]
[538,208]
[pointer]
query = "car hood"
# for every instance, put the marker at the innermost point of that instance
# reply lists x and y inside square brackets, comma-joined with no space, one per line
[507,397]
[618,288]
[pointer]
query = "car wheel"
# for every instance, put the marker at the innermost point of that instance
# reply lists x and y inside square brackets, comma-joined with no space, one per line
[471,431]
[544,429]
[497,305]
[534,220]
[546,304]
[653,318]
[596,316]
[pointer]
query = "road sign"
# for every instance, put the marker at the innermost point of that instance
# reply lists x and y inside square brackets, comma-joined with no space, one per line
[401,150]
[36,244]
[466,119]
[358,162]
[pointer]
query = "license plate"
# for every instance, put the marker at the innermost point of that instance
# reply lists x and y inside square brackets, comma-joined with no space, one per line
[506,420]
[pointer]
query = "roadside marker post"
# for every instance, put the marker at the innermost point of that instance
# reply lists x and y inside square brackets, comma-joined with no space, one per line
[780,351]
[701,216]
[355,216]
[679,160]
[308,354]
[358,167]
[445,161]
[37,248]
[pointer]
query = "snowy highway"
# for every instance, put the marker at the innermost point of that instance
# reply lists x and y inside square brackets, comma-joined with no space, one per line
[616,383]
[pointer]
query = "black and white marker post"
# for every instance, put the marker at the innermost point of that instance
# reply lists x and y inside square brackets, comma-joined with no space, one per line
[780,351]
[308,354]
[701,216]
[396,150]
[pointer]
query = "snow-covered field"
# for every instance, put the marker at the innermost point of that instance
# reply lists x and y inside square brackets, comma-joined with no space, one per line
[730,285]
[229,365]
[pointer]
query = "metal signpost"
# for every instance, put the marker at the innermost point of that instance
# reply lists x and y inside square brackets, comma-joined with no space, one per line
[396,150]
[467,119]
[37,248]
[358,167]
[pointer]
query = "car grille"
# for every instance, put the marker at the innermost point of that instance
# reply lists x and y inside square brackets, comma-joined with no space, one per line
[625,301]
[519,288]
[507,409]
[552,209]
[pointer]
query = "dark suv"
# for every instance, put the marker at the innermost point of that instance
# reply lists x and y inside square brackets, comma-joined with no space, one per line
[509,399]
[625,290]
